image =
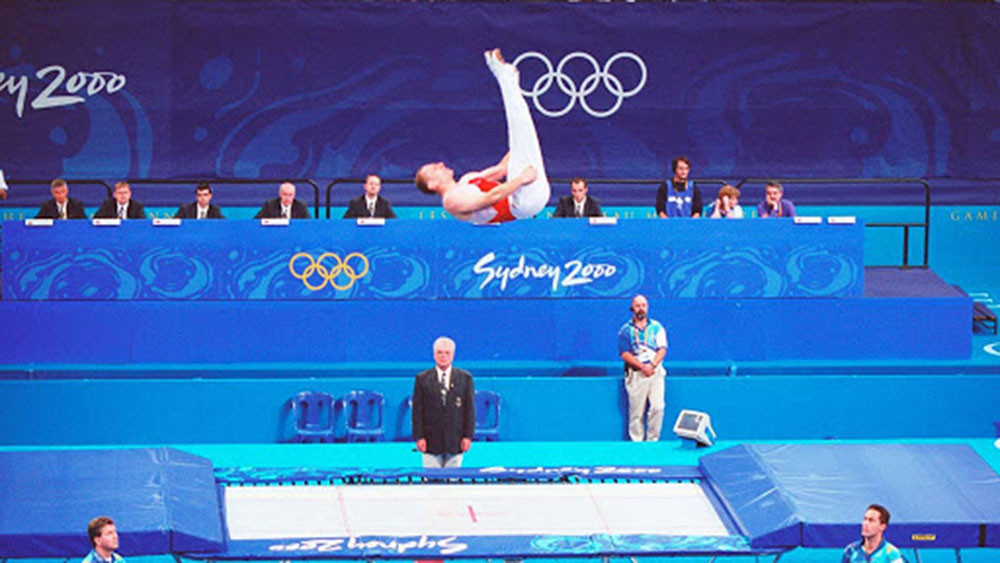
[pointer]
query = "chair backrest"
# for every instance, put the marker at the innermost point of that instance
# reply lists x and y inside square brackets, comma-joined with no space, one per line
[487,410]
[312,411]
[363,409]
[405,426]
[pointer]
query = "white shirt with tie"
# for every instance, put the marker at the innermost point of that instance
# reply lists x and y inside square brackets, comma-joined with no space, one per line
[286,211]
[579,206]
[444,378]
[371,205]
[123,210]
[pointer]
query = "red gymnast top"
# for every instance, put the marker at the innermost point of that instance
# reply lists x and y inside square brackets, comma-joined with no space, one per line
[502,207]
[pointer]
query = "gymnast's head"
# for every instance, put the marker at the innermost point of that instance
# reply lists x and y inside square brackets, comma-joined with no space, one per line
[434,176]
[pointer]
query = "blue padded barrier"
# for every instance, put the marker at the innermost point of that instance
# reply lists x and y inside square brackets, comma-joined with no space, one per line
[739,480]
[939,495]
[161,499]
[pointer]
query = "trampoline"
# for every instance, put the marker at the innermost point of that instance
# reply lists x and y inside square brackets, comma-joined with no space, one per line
[547,509]
[744,500]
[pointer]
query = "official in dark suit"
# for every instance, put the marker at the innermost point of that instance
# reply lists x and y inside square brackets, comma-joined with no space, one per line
[370,204]
[444,409]
[61,206]
[284,206]
[121,206]
[579,204]
[202,207]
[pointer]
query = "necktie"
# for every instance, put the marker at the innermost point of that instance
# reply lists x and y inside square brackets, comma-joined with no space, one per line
[285,213]
[579,210]
[201,213]
[62,211]
[121,211]
[371,209]
[444,388]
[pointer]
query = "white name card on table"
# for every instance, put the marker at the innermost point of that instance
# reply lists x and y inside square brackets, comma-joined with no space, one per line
[106,222]
[39,222]
[166,222]
[809,220]
[603,220]
[842,220]
[274,222]
[371,221]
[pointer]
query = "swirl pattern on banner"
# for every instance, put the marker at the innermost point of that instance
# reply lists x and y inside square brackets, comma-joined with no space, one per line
[169,273]
[817,272]
[804,271]
[884,125]
[95,274]
[604,543]
[733,273]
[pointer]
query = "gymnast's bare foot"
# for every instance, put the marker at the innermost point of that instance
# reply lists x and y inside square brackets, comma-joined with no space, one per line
[497,64]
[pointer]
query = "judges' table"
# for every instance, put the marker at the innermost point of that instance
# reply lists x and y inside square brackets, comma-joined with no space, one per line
[245,260]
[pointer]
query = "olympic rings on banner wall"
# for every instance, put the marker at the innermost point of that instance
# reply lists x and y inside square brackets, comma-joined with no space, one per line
[589,84]
[330,275]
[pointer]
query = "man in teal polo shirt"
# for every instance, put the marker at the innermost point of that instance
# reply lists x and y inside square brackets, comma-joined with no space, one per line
[642,344]
[104,540]
[872,547]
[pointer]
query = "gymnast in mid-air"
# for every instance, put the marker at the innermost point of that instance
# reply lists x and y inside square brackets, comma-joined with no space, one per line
[493,195]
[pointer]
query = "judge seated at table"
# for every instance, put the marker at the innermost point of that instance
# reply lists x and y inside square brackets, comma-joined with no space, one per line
[121,206]
[285,206]
[61,206]
[202,207]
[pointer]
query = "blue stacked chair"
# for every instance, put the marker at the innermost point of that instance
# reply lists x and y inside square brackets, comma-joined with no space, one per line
[487,416]
[363,416]
[312,412]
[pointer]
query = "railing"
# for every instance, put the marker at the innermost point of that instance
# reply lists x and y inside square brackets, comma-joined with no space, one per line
[925,225]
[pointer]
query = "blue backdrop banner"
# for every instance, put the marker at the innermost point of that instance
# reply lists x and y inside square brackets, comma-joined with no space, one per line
[315,89]
[408,259]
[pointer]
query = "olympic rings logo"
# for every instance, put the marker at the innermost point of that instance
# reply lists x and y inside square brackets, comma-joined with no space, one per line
[340,268]
[600,76]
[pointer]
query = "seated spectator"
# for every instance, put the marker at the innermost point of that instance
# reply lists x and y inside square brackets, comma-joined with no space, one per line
[578,203]
[727,205]
[682,198]
[202,207]
[370,203]
[284,206]
[773,204]
[121,205]
[61,206]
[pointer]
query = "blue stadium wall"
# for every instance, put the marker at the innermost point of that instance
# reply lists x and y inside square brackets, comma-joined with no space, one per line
[534,408]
